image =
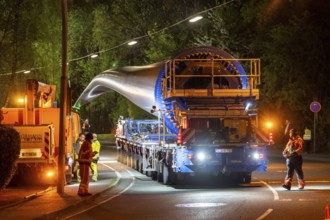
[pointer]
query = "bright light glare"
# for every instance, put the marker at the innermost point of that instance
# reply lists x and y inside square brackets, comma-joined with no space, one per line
[94,55]
[20,100]
[199,205]
[132,42]
[256,156]
[50,173]
[201,156]
[197,18]
[247,106]
[27,71]
[269,124]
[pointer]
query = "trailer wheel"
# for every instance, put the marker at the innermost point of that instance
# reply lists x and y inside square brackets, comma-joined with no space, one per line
[165,175]
[173,177]
[154,175]
[137,163]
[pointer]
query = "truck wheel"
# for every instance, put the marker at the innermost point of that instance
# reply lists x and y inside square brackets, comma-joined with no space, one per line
[173,177]
[136,167]
[118,155]
[154,175]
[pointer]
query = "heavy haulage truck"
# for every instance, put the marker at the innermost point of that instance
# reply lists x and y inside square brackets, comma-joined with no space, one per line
[207,121]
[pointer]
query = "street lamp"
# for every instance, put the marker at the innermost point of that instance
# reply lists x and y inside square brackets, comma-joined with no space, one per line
[131,43]
[196,18]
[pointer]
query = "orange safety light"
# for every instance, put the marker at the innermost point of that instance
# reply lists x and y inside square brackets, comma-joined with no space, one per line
[50,173]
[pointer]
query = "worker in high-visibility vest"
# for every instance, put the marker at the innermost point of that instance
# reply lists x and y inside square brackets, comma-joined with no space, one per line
[307,139]
[293,154]
[96,149]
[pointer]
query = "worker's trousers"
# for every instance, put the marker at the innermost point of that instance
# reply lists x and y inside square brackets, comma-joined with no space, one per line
[94,171]
[294,164]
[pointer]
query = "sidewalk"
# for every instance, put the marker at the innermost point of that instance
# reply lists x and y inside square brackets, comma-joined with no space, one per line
[39,204]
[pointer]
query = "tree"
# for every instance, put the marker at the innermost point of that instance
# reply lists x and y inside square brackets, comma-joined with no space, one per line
[9,153]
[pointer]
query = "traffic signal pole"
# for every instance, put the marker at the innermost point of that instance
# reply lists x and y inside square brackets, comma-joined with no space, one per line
[64,97]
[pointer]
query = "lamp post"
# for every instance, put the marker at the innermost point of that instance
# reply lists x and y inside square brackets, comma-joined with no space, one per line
[64,98]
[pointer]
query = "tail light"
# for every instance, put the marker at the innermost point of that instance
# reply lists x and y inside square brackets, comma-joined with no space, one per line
[179,141]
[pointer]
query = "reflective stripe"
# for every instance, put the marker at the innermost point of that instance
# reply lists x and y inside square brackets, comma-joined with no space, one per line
[307,137]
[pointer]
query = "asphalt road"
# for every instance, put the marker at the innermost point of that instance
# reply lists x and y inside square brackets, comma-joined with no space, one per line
[137,197]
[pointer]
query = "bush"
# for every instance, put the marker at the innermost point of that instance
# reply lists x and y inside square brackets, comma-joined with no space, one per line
[9,153]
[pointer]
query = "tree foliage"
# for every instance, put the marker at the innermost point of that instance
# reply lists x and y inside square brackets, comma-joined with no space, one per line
[9,153]
[290,37]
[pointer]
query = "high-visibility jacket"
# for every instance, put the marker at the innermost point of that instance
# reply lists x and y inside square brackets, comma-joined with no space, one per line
[77,148]
[308,135]
[294,145]
[96,147]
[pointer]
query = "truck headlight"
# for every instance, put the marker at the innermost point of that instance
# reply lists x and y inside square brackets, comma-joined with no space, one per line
[201,156]
[256,156]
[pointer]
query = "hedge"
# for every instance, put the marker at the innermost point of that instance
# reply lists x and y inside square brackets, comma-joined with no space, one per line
[9,153]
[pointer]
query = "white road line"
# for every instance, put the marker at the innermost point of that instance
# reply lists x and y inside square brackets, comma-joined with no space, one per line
[110,198]
[109,161]
[307,200]
[265,214]
[276,197]
[307,181]
[114,170]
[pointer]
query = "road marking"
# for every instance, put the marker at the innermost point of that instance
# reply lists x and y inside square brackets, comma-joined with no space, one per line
[307,200]
[200,205]
[265,214]
[110,198]
[109,161]
[276,197]
[114,170]
[307,181]
[286,200]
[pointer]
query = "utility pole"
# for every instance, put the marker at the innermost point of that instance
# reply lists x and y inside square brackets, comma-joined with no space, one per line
[64,96]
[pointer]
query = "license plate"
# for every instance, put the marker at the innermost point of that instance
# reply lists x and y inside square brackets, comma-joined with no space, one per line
[225,151]
[29,154]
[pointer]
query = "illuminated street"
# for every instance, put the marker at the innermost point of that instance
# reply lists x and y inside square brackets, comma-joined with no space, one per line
[145,199]
[136,196]
[195,109]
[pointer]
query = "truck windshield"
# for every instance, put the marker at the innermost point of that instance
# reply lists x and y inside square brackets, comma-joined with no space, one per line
[216,131]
